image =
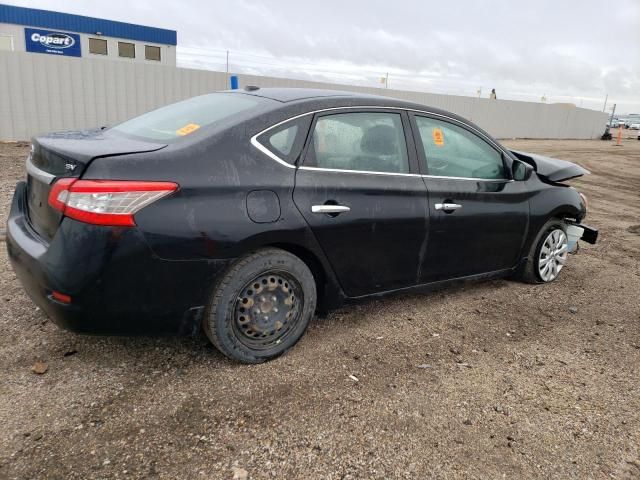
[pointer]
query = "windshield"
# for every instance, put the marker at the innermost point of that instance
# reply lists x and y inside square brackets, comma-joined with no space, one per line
[183,118]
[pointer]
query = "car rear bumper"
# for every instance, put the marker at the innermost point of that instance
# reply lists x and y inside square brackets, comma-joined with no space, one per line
[116,284]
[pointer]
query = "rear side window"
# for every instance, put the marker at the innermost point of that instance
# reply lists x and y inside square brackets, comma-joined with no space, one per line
[282,141]
[364,141]
[183,118]
[452,151]
[286,141]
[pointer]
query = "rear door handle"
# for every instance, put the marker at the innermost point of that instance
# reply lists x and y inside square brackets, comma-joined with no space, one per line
[329,208]
[448,207]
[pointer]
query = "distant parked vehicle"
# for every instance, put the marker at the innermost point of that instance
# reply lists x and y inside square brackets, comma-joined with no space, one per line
[236,211]
[634,126]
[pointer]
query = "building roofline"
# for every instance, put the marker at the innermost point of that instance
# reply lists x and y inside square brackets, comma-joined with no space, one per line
[47,19]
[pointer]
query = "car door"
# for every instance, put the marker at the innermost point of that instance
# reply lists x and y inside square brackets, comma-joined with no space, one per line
[359,190]
[479,215]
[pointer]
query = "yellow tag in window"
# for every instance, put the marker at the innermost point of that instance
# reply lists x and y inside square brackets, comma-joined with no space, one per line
[438,137]
[187,129]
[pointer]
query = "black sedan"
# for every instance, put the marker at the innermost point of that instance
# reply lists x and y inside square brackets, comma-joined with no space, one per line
[243,212]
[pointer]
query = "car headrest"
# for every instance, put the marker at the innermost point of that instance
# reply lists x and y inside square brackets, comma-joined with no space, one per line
[380,140]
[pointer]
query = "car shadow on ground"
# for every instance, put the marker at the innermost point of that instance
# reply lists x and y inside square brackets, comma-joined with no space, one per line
[351,320]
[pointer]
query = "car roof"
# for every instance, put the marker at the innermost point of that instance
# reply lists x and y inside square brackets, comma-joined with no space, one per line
[289,102]
[292,94]
[319,98]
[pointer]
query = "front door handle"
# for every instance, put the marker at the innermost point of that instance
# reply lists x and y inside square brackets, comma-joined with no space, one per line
[448,207]
[329,208]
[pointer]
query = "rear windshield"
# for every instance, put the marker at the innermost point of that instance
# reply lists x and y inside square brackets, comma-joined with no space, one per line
[183,118]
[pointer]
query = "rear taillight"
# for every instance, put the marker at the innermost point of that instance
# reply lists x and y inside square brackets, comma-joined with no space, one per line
[61,297]
[106,202]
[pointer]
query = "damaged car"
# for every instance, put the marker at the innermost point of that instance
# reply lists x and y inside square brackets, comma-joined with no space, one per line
[244,212]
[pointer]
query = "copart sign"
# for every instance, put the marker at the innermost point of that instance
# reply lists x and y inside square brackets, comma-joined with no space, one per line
[52,42]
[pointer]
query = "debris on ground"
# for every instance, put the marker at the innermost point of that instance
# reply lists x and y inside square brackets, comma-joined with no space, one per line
[39,367]
[239,473]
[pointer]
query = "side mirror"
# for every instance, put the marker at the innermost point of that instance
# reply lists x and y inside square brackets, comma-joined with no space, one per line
[521,171]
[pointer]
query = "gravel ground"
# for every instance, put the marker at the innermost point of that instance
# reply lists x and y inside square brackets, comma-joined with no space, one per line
[487,380]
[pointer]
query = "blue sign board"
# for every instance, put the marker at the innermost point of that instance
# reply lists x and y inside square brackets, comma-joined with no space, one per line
[55,43]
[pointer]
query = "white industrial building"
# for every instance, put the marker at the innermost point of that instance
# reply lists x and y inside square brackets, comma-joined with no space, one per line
[63,34]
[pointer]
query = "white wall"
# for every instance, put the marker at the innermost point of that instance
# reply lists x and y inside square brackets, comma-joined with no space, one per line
[42,93]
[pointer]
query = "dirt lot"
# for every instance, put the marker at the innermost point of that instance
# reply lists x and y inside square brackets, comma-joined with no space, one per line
[489,380]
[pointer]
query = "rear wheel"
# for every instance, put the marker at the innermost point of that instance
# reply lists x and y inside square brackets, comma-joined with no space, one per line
[261,306]
[548,253]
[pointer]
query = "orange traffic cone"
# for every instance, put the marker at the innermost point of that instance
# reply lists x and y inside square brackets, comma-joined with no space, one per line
[619,138]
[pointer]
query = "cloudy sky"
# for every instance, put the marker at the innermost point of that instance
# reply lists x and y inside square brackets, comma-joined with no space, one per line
[569,51]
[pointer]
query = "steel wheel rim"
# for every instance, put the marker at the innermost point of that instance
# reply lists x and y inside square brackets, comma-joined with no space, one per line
[267,310]
[553,255]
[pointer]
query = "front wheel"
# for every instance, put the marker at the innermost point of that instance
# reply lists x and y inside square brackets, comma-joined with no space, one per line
[261,306]
[548,253]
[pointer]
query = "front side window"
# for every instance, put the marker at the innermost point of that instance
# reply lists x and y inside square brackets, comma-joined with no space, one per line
[126,49]
[186,117]
[365,141]
[452,151]
[98,46]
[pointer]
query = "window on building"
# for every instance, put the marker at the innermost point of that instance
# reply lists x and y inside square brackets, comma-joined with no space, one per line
[152,53]
[6,42]
[98,46]
[126,49]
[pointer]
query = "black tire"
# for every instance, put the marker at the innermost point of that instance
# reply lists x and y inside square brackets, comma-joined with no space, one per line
[237,319]
[530,273]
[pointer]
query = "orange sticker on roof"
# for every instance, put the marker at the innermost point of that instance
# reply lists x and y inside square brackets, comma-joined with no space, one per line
[438,137]
[187,129]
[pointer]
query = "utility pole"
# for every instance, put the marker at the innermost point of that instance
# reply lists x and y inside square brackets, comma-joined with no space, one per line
[605,102]
[619,136]
[227,61]
[613,112]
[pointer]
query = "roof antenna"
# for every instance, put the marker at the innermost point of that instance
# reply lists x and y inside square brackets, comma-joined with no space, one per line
[251,88]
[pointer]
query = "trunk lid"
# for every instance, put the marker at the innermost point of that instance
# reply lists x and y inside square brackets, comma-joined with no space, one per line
[67,154]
